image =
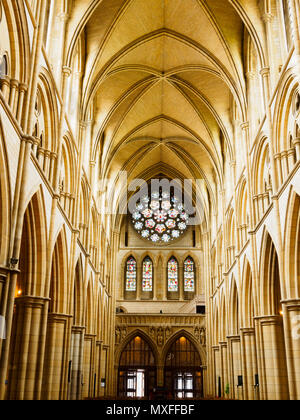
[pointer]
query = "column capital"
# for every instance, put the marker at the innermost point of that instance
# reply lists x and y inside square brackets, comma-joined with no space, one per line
[265,71]
[28,139]
[234,337]
[32,301]
[245,125]
[78,330]
[23,87]
[5,79]
[296,141]
[267,17]
[250,75]
[268,319]
[247,330]
[67,71]
[63,17]
[14,83]
[291,304]
[83,125]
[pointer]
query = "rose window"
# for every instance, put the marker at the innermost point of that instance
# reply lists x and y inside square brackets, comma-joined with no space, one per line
[160,218]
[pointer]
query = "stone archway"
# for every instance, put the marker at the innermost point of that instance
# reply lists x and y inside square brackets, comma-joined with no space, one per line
[137,369]
[183,373]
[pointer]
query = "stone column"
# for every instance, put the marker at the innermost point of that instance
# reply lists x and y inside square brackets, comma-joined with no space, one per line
[55,370]
[99,344]
[22,90]
[138,282]
[5,87]
[268,19]
[250,362]
[224,359]
[216,369]
[63,19]
[160,375]
[180,282]
[77,344]
[234,346]
[291,309]
[16,232]
[273,358]
[27,352]
[13,100]
[164,280]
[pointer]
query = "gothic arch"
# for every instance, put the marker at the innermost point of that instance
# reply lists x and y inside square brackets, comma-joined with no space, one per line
[50,110]
[234,308]
[271,292]
[231,239]
[285,111]
[261,163]
[242,212]
[189,337]
[216,326]
[247,301]
[59,275]
[78,294]
[67,170]
[33,247]
[29,294]
[137,333]
[89,307]
[292,248]
[223,318]
[19,40]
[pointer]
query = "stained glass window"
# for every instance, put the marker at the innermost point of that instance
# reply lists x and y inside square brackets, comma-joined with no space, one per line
[189,275]
[147,275]
[173,275]
[131,275]
[160,217]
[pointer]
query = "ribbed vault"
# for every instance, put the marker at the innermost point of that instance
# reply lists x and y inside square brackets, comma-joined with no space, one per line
[163,79]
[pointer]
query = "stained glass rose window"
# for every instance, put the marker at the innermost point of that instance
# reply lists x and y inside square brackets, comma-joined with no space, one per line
[160,218]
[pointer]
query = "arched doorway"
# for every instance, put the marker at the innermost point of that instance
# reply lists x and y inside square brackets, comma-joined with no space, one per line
[137,370]
[183,372]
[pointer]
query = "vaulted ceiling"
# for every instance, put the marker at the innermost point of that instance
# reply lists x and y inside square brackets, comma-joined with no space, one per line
[164,78]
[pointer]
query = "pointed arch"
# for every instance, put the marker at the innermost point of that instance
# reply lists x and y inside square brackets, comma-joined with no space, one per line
[247,301]
[89,308]
[270,286]
[188,336]
[78,294]
[223,319]
[129,339]
[292,248]
[216,326]
[31,281]
[19,40]
[59,275]
[234,317]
